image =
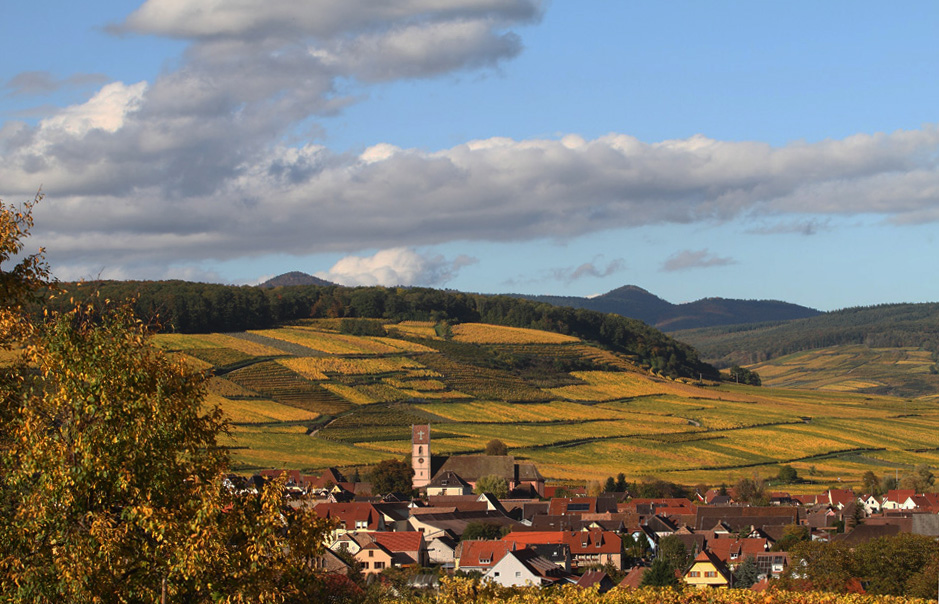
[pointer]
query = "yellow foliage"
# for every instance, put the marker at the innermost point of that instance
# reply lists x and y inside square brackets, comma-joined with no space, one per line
[482,333]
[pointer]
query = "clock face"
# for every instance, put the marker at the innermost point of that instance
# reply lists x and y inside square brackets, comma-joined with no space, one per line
[420,460]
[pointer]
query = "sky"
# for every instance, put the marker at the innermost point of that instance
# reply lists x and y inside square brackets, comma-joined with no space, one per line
[756,150]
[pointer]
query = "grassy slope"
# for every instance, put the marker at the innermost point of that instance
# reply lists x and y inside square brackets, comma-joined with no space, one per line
[577,411]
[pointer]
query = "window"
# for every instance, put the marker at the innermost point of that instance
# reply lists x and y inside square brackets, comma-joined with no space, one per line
[694,573]
[379,565]
[710,573]
[371,553]
[365,565]
[495,574]
[361,524]
[518,573]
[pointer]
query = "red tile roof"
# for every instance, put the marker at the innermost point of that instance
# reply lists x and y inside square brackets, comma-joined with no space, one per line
[482,553]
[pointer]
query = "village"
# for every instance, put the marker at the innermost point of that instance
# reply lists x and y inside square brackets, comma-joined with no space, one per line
[543,535]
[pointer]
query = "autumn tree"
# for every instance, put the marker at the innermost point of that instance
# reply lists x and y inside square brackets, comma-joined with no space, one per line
[392,476]
[112,475]
[496,447]
[493,484]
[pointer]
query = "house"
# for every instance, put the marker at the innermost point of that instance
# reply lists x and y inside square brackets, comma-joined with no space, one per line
[895,498]
[732,552]
[588,548]
[442,550]
[772,564]
[406,548]
[524,567]
[374,558]
[480,555]
[707,571]
[352,516]
[870,504]
[448,483]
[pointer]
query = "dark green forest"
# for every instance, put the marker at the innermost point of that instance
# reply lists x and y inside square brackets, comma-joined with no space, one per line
[186,307]
[881,326]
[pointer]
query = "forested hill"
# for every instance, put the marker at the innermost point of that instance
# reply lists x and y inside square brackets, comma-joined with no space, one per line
[637,303]
[883,326]
[205,308]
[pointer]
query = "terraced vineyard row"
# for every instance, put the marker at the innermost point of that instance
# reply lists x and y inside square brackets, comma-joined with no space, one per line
[271,379]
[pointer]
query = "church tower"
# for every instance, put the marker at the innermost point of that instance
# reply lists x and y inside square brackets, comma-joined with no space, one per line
[420,455]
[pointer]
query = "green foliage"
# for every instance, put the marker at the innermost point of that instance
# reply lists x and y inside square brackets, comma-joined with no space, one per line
[792,535]
[481,530]
[660,574]
[742,375]
[492,484]
[673,551]
[787,475]
[621,486]
[362,327]
[391,476]
[747,573]
[496,447]
[921,479]
[897,566]
[752,491]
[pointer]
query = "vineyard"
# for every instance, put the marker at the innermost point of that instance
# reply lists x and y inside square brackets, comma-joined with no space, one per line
[308,396]
[465,591]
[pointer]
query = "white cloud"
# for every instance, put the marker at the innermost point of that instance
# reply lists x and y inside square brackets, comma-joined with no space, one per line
[193,166]
[397,266]
[689,259]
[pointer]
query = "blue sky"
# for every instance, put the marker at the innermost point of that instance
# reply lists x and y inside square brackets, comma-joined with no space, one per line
[750,150]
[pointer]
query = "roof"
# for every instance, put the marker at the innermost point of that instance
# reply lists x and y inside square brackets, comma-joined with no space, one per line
[537,565]
[595,577]
[350,513]
[473,467]
[736,549]
[633,578]
[594,541]
[448,478]
[560,506]
[482,553]
[408,541]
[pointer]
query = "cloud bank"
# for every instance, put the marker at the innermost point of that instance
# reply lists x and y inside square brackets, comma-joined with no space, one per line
[195,166]
[398,266]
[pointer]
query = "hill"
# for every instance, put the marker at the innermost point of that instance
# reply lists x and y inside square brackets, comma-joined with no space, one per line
[882,326]
[180,306]
[294,278]
[313,395]
[900,371]
[637,303]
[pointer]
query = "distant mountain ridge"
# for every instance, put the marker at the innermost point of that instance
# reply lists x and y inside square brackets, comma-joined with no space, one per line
[294,278]
[636,303]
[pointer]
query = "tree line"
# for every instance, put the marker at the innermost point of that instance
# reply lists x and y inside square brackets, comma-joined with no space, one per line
[185,307]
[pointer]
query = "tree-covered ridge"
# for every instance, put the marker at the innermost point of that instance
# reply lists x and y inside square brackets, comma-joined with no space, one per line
[881,326]
[637,303]
[186,307]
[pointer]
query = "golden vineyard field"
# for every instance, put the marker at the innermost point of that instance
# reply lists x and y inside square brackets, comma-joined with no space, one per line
[307,397]
[462,591]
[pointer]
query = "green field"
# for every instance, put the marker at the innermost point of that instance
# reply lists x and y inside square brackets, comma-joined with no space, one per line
[308,397]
